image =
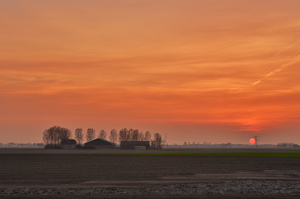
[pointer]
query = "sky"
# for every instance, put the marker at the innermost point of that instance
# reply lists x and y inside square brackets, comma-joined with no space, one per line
[197,71]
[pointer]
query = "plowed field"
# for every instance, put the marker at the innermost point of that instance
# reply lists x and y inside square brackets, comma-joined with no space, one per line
[127,176]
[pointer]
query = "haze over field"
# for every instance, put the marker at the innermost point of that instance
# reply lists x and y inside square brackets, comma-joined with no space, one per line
[212,70]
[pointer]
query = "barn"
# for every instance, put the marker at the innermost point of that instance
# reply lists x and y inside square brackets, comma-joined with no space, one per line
[135,145]
[100,144]
[68,144]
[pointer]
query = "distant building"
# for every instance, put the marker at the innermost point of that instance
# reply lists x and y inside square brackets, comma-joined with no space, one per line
[68,144]
[286,145]
[101,144]
[296,146]
[135,144]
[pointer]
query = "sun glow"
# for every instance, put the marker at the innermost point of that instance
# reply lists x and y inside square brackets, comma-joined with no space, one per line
[252,141]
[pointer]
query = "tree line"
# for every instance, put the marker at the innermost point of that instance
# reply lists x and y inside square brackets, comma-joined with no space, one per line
[56,134]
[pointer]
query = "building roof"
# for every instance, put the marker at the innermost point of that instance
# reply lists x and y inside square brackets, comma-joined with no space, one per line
[99,141]
[68,142]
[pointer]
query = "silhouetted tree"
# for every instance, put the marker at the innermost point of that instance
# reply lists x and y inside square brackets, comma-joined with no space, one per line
[78,136]
[10,144]
[135,135]
[63,134]
[123,135]
[157,142]
[52,135]
[55,135]
[142,136]
[147,136]
[90,134]
[102,134]
[129,135]
[113,136]
[46,137]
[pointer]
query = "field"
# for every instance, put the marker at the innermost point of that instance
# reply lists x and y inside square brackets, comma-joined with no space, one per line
[234,173]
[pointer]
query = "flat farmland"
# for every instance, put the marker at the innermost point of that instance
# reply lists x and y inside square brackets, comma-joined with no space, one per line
[167,173]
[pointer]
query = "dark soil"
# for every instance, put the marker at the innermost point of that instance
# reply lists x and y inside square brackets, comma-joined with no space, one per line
[123,176]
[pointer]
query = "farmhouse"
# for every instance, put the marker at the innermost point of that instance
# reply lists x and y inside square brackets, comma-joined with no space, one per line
[68,144]
[100,144]
[135,145]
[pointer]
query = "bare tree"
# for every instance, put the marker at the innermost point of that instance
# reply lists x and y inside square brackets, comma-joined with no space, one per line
[135,135]
[113,136]
[142,136]
[46,137]
[79,135]
[90,134]
[55,135]
[147,136]
[129,135]
[123,135]
[52,135]
[63,134]
[102,134]
[157,142]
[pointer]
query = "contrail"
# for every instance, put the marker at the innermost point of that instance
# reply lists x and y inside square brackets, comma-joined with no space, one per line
[283,66]
[280,68]
[285,48]
[257,82]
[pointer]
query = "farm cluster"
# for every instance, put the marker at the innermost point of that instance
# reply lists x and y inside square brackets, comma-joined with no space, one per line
[59,137]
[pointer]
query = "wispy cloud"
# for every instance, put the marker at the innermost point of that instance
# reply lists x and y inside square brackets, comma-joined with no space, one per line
[282,66]
[286,48]
[257,82]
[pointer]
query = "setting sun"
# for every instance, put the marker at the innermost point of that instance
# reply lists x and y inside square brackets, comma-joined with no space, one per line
[252,141]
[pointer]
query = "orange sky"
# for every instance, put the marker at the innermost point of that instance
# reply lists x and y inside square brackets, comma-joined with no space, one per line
[214,71]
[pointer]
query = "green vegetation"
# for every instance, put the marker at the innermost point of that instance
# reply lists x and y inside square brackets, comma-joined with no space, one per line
[228,154]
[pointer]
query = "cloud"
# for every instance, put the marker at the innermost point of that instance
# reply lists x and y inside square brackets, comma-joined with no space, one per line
[257,82]
[286,48]
[278,69]
[283,66]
